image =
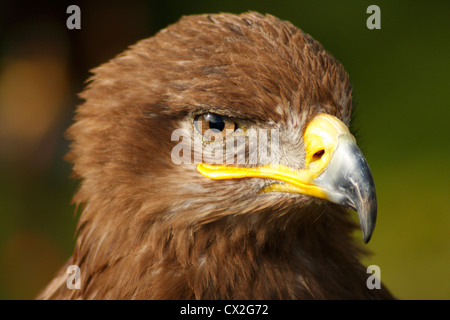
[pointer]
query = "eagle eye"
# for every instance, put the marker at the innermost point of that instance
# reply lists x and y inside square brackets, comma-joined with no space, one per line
[214,127]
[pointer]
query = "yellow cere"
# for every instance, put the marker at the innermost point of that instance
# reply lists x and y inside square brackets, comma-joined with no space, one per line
[322,134]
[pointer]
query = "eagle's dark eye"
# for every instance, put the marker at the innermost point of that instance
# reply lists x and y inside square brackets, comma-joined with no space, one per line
[213,126]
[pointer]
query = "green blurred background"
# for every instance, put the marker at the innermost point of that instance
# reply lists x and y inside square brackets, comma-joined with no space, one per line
[401,79]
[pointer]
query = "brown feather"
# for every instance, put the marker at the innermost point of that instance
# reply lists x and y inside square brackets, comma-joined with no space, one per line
[150,229]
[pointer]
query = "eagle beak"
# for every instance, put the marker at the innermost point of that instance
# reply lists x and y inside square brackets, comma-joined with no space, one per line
[335,170]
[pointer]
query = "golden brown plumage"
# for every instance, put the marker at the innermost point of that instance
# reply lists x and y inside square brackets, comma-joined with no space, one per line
[151,229]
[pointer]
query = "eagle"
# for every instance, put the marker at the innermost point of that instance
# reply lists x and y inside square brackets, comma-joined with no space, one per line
[175,199]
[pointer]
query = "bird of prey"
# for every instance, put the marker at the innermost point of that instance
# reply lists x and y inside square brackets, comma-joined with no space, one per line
[154,227]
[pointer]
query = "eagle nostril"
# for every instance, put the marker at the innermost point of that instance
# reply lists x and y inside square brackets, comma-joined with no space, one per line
[318,155]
